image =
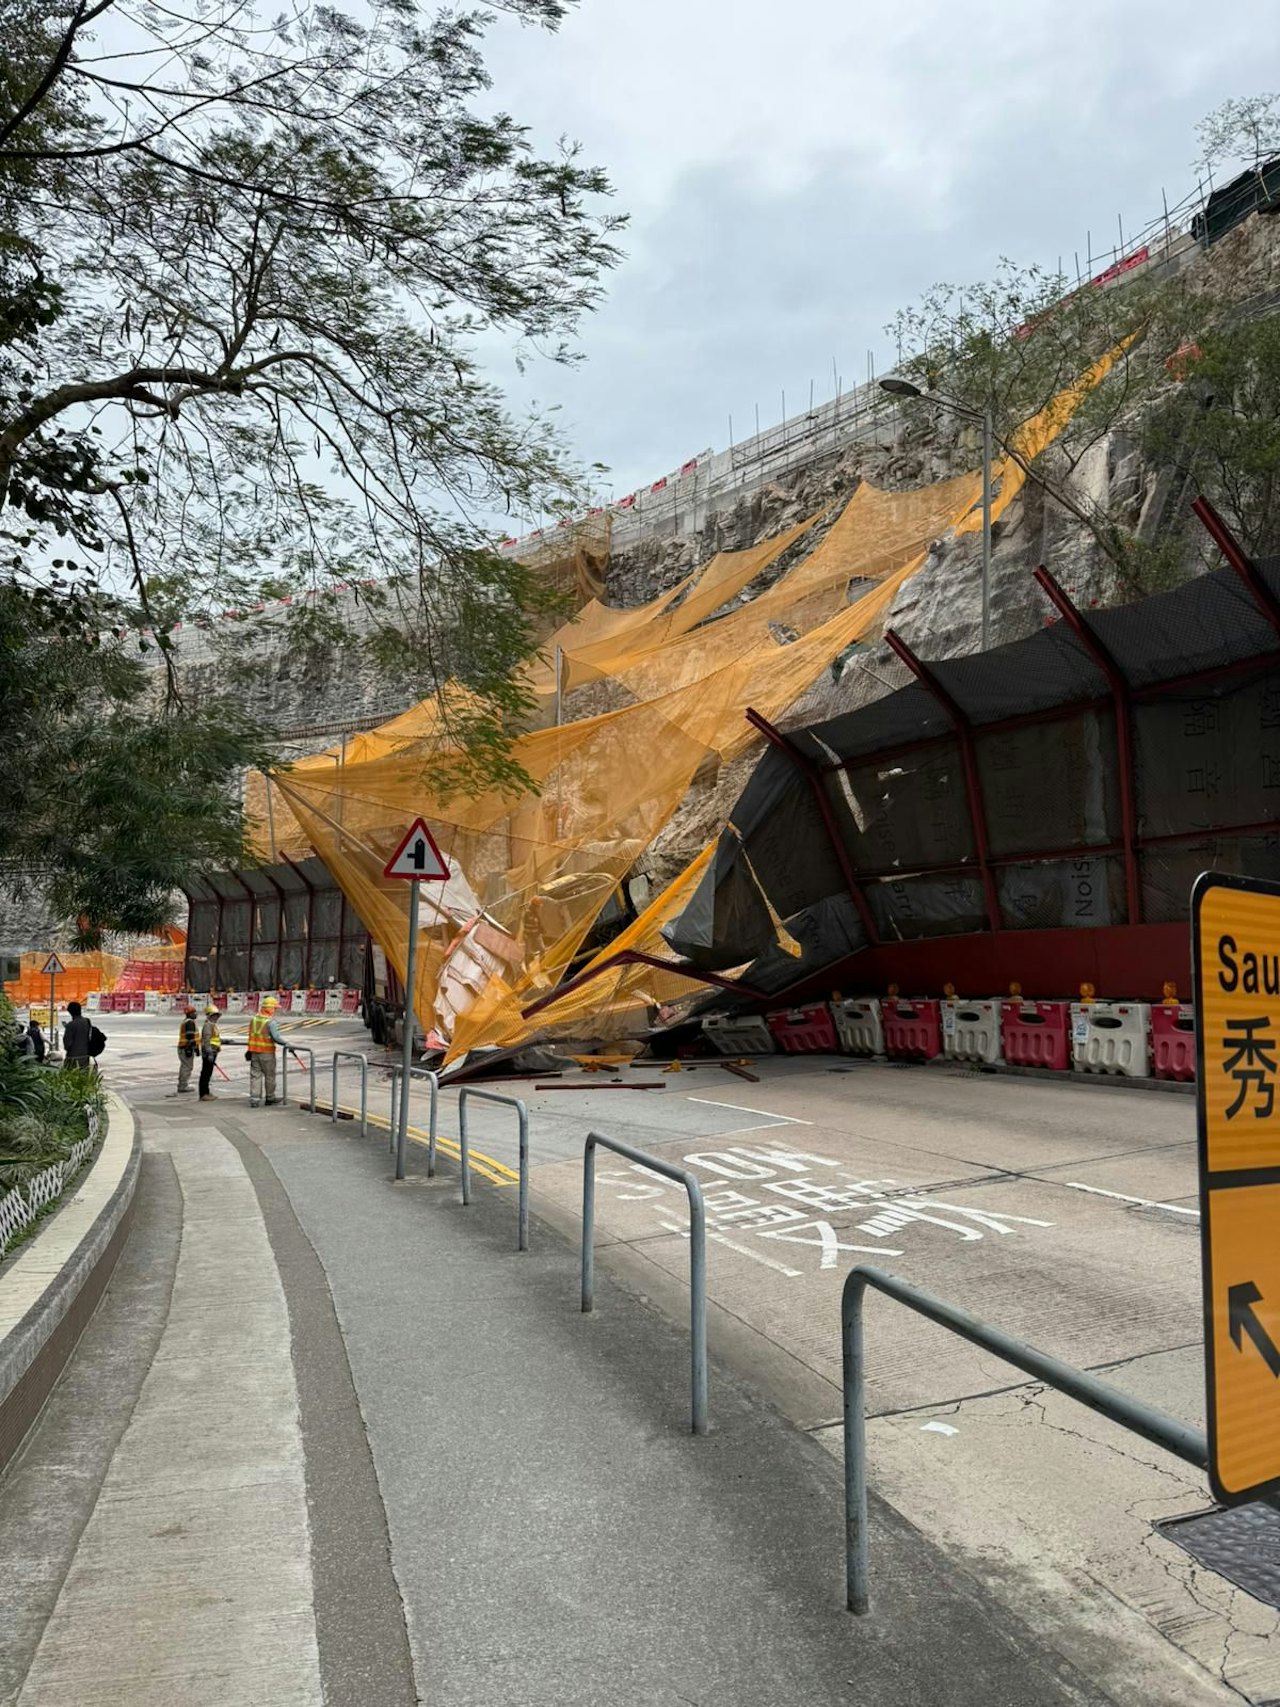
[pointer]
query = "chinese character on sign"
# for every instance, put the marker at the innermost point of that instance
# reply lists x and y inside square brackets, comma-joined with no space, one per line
[1269,714]
[1270,770]
[1200,718]
[1203,779]
[1250,1059]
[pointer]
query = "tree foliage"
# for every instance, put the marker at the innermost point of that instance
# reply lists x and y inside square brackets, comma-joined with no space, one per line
[245,266]
[1245,129]
[108,807]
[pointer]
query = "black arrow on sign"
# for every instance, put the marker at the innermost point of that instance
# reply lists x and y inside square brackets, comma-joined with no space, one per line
[1241,1319]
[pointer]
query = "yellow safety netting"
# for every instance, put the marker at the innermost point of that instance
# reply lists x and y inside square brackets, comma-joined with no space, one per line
[531,875]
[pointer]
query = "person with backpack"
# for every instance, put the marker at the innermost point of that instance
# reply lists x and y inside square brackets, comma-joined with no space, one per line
[188,1049]
[76,1038]
[210,1043]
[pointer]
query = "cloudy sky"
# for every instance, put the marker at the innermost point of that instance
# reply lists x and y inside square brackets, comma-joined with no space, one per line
[796,170]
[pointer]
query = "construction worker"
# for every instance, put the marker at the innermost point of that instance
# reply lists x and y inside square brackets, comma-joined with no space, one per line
[188,1049]
[264,1039]
[210,1043]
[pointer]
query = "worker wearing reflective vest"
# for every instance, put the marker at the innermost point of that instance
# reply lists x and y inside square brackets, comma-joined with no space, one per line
[264,1040]
[188,1049]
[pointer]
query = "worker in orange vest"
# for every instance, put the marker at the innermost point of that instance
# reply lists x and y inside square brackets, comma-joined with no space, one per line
[264,1040]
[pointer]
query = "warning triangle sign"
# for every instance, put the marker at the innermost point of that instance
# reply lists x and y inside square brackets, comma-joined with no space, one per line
[418,857]
[52,967]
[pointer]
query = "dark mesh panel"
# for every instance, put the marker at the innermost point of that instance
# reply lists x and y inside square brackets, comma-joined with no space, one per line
[1080,892]
[1206,623]
[1209,757]
[1051,785]
[907,811]
[1048,668]
[826,932]
[909,907]
[1168,873]
[910,714]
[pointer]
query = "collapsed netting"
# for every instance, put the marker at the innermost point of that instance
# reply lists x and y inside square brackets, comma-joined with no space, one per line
[531,875]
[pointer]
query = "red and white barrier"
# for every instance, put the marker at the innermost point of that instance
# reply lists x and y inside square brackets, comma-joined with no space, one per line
[912,1030]
[1036,1034]
[804,1031]
[1173,1041]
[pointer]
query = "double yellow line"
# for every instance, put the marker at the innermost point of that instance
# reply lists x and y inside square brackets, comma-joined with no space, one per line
[498,1173]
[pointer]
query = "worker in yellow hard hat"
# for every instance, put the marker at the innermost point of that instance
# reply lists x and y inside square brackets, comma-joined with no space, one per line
[264,1040]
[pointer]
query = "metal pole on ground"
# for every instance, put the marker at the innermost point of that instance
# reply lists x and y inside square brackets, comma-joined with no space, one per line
[411,966]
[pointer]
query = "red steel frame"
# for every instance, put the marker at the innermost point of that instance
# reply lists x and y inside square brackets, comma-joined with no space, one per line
[1132,837]
[972,781]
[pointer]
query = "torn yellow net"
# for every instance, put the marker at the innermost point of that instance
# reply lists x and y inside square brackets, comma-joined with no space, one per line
[530,875]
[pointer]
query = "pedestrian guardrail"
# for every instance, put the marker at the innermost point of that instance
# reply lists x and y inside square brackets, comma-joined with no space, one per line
[697,1254]
[522,1114]
[297,1050]
[1164,1431]
[351,1055]
[399,1128]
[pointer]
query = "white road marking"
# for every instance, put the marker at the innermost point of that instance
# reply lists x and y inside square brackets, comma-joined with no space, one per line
[744,1250]
[938,1428]
[1123,1197]
[777,1119]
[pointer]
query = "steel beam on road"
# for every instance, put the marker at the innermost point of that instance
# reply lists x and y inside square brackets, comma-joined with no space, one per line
[1186,1443]
[634,957]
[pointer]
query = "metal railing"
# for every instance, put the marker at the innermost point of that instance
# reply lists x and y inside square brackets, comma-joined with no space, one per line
[522,1220]
[1165,1431]
[697,1254]
[399,1129]
[296,1050]
[351,1055]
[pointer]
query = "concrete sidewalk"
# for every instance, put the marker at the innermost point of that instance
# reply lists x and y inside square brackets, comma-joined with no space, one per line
[367,1418]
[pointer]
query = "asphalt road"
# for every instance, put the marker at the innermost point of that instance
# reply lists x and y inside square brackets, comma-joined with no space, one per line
[1063,1213]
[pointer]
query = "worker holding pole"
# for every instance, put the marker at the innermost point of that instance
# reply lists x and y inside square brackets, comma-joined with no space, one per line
[264,1039]
[210,1044]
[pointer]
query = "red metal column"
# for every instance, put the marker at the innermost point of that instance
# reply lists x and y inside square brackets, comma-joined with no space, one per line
[215,973]
[1244,566]
[813,775]
[1124,734]
[969,761]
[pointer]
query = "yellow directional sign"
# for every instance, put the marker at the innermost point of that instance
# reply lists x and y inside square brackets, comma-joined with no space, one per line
[1236,957]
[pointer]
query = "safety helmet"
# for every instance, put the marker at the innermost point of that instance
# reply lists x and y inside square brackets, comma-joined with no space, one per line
[269,1002]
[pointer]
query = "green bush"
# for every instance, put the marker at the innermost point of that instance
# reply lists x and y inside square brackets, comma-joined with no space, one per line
[43,1113]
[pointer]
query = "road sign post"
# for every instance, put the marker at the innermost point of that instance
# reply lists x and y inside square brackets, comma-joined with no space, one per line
[53,966]
[418,860]
[1235,924]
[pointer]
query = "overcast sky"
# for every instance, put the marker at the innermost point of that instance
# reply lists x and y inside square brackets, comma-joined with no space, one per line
[796,170]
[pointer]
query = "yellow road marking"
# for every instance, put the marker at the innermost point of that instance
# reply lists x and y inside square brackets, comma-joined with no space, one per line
[498,1173]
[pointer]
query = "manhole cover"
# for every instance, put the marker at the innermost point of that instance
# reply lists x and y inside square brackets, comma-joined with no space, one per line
[1242,1545]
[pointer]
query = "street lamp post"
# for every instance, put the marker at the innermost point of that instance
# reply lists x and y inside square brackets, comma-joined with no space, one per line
[904,388]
